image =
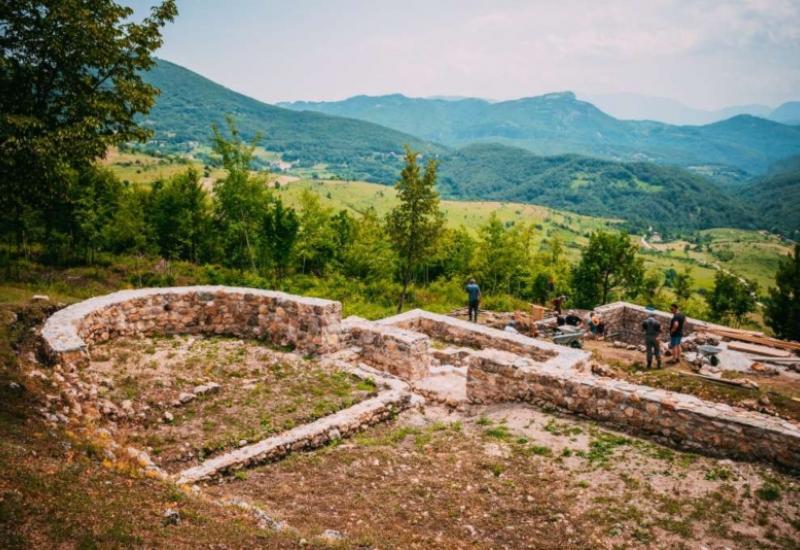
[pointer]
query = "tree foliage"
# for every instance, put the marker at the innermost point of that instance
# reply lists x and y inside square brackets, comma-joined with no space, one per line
[415,224]
[70,86]
[609,264]
[782,311]
[731,299]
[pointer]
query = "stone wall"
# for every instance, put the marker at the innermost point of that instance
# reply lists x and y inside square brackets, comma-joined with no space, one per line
[400,352]
[682,420]
[308,324]
[624,322]
[463,333]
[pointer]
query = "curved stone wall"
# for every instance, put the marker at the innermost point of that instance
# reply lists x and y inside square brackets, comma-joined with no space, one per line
[311,325]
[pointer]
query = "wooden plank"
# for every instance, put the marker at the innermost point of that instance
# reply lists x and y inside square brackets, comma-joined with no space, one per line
[763,340]
[758,349]
[725,381]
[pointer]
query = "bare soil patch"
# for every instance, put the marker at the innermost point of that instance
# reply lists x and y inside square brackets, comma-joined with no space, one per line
[512,476]
[189,398]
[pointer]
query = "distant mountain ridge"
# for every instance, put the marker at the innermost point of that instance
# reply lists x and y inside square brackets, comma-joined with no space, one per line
[642,193]
[559,123]
[189,103]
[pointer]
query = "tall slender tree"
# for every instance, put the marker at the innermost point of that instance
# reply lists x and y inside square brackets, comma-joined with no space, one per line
[415,224]
[609,263]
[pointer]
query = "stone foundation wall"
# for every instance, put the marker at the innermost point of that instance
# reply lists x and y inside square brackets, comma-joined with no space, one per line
[463,333]
[394,350]
[309,324]
[682,420]
[624,322]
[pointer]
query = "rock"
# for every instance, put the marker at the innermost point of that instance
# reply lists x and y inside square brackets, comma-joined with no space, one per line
[168,417]
[749,383]
[631,347]
[171,517]
[127,407]
[184,398]
[764,400]
[40,298]
[602,370]
[7,318]
[243,442]
[210,387]
[471,530]
[331,535]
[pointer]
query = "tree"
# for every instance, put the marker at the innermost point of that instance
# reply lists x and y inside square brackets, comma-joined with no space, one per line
[608,263]
[240,199]
[682,285]
[70,86]
[316,243]
[731,299]
[782,311]
[281,227]
[415,224]
[180,217]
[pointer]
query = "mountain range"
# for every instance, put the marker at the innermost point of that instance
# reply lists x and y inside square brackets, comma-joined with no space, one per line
[553,150]
[559,123]
[630,106]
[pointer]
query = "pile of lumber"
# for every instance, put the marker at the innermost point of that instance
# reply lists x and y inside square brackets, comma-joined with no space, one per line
[754,338]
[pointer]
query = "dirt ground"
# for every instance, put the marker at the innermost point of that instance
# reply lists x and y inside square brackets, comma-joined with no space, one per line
[261,392]
[512,476]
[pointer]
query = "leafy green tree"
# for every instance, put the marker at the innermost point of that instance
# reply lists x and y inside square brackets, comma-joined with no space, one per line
[316,242]
[369,254]
[70,86]
[731,299]
[609,264]
[414,225]
[503,256]
[180,216]
[651,286]
[280,230]
[240,199]
[782,312]
[682,285]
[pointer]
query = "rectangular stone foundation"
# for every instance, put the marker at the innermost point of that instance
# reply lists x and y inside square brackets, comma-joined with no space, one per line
[683,420]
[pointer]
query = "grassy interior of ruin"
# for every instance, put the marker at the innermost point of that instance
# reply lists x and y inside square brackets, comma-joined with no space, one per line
[262,392]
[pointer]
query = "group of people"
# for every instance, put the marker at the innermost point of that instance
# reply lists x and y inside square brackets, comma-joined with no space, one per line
[650,326]
[652,332]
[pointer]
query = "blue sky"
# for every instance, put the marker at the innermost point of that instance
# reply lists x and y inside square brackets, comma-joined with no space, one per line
[707,54]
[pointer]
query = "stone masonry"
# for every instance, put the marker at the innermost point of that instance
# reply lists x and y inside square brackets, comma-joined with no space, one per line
[308,324]
[624,322]
[500,366]
[400,352]
[463,333]
[679,419]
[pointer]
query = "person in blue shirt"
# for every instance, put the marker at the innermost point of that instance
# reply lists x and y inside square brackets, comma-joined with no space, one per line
[474,295]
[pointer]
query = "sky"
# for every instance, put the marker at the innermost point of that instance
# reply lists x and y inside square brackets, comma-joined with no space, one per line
[706,54]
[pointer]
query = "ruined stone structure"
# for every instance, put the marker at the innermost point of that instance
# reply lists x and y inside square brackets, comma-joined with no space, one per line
[682,420]
[308,324]
[624,322]
[405,354]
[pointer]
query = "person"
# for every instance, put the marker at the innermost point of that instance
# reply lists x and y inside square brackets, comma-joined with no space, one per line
[558,303]
[596,325]
[676,333]
[652,328]
[474,299]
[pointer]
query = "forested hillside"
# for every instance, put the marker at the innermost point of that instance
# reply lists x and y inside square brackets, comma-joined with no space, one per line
[777,197]
[559,123]
[642,193]
[189,104]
